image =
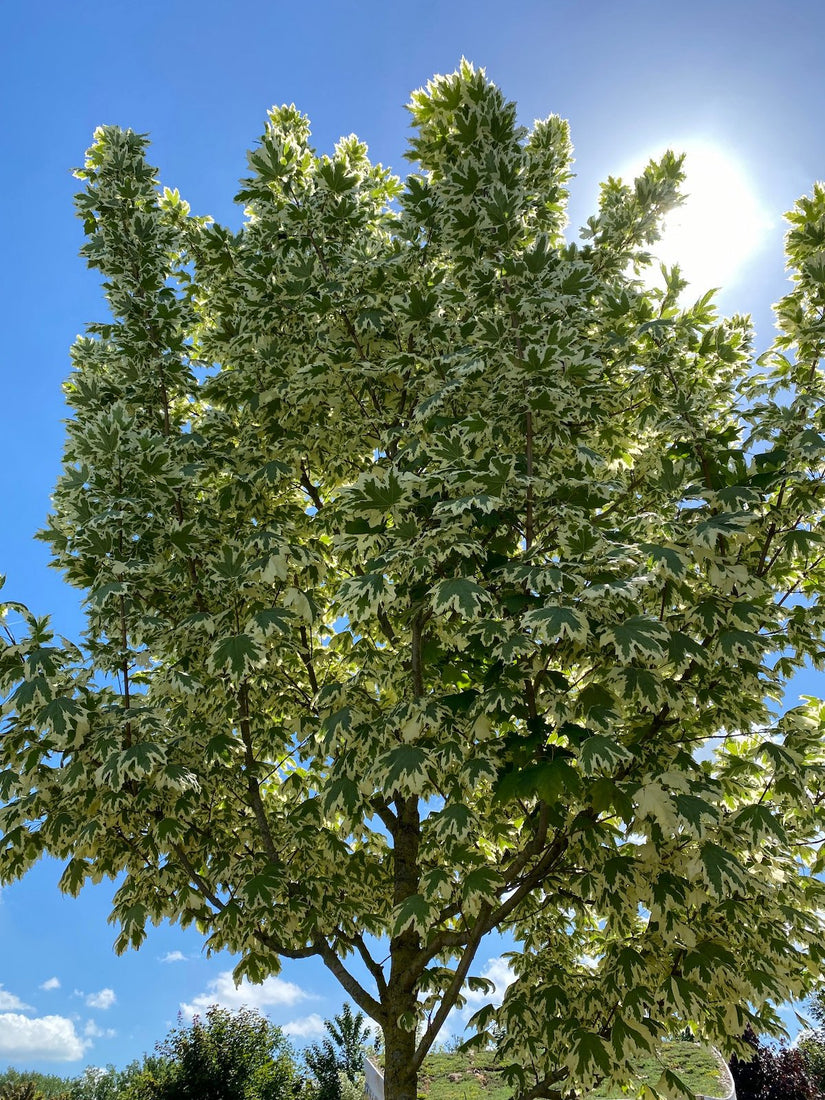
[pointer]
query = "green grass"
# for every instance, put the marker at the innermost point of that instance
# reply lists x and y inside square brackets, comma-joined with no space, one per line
[697,1067]
[477,1077]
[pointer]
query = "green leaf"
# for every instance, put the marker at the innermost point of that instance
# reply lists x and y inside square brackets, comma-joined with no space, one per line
[237,655]
[638,637]
[607,795]
[261,890]
[600,755]
[415,913]
[404,767]
[725,525]
[221,746]
[695,812]
[762,825]
[597,705]
[264,625]
[554,623]
[721,870]
[557,781]
[169,831]
[463,596]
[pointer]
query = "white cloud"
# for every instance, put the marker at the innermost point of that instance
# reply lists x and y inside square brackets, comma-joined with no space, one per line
[51,983]
[8,1002]
[223,991]
[50,1038]
[92,1031]
[497,971]
[105,998]
[307,1027]
[173,957]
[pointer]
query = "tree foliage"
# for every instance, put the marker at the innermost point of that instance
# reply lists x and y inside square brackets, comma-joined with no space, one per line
[773,1073]
[224,1056]
[48,1085]
[340,1053]
[20,1090]
[428,555]
[812,1042]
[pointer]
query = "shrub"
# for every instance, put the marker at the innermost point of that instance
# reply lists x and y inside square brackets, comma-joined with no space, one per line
[221,1056]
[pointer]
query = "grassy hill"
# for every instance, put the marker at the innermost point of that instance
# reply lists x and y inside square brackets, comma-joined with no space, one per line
[477,1077]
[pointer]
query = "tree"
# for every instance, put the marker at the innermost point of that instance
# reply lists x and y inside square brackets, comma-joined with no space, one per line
[340,1052]
[224,1056]
[110,1083]
[772,1074]
[812,1042]
[428,556]
[49,1085]
[20,1090]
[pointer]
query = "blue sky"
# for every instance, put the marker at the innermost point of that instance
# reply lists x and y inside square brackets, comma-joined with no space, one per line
[740,84]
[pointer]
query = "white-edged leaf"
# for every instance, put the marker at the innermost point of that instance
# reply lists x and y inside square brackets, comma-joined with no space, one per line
[638,637]
[550,624]
[461,595]
[237,655]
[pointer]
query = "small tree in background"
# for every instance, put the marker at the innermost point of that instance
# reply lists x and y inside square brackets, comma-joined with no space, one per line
[341,1052]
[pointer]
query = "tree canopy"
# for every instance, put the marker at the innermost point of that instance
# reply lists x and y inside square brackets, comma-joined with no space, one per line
[443,575]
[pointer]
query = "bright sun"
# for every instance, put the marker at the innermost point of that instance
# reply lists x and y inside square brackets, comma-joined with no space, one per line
[721,225]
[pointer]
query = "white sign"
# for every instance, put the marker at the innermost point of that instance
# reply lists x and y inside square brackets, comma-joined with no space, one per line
[373,1081]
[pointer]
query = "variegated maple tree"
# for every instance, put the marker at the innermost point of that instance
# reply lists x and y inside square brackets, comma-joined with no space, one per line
[443,577]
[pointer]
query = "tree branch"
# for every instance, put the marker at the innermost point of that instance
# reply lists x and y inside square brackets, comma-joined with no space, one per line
[451,993]
[374,967]
[251,781]
[363,999]
[415,656]
[385,813]
[309,488]
[305,653]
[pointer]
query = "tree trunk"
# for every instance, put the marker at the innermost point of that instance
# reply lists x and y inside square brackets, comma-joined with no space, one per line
[400,1078]
[400,1074]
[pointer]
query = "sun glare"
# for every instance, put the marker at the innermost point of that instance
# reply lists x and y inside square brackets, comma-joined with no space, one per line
[721,225]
